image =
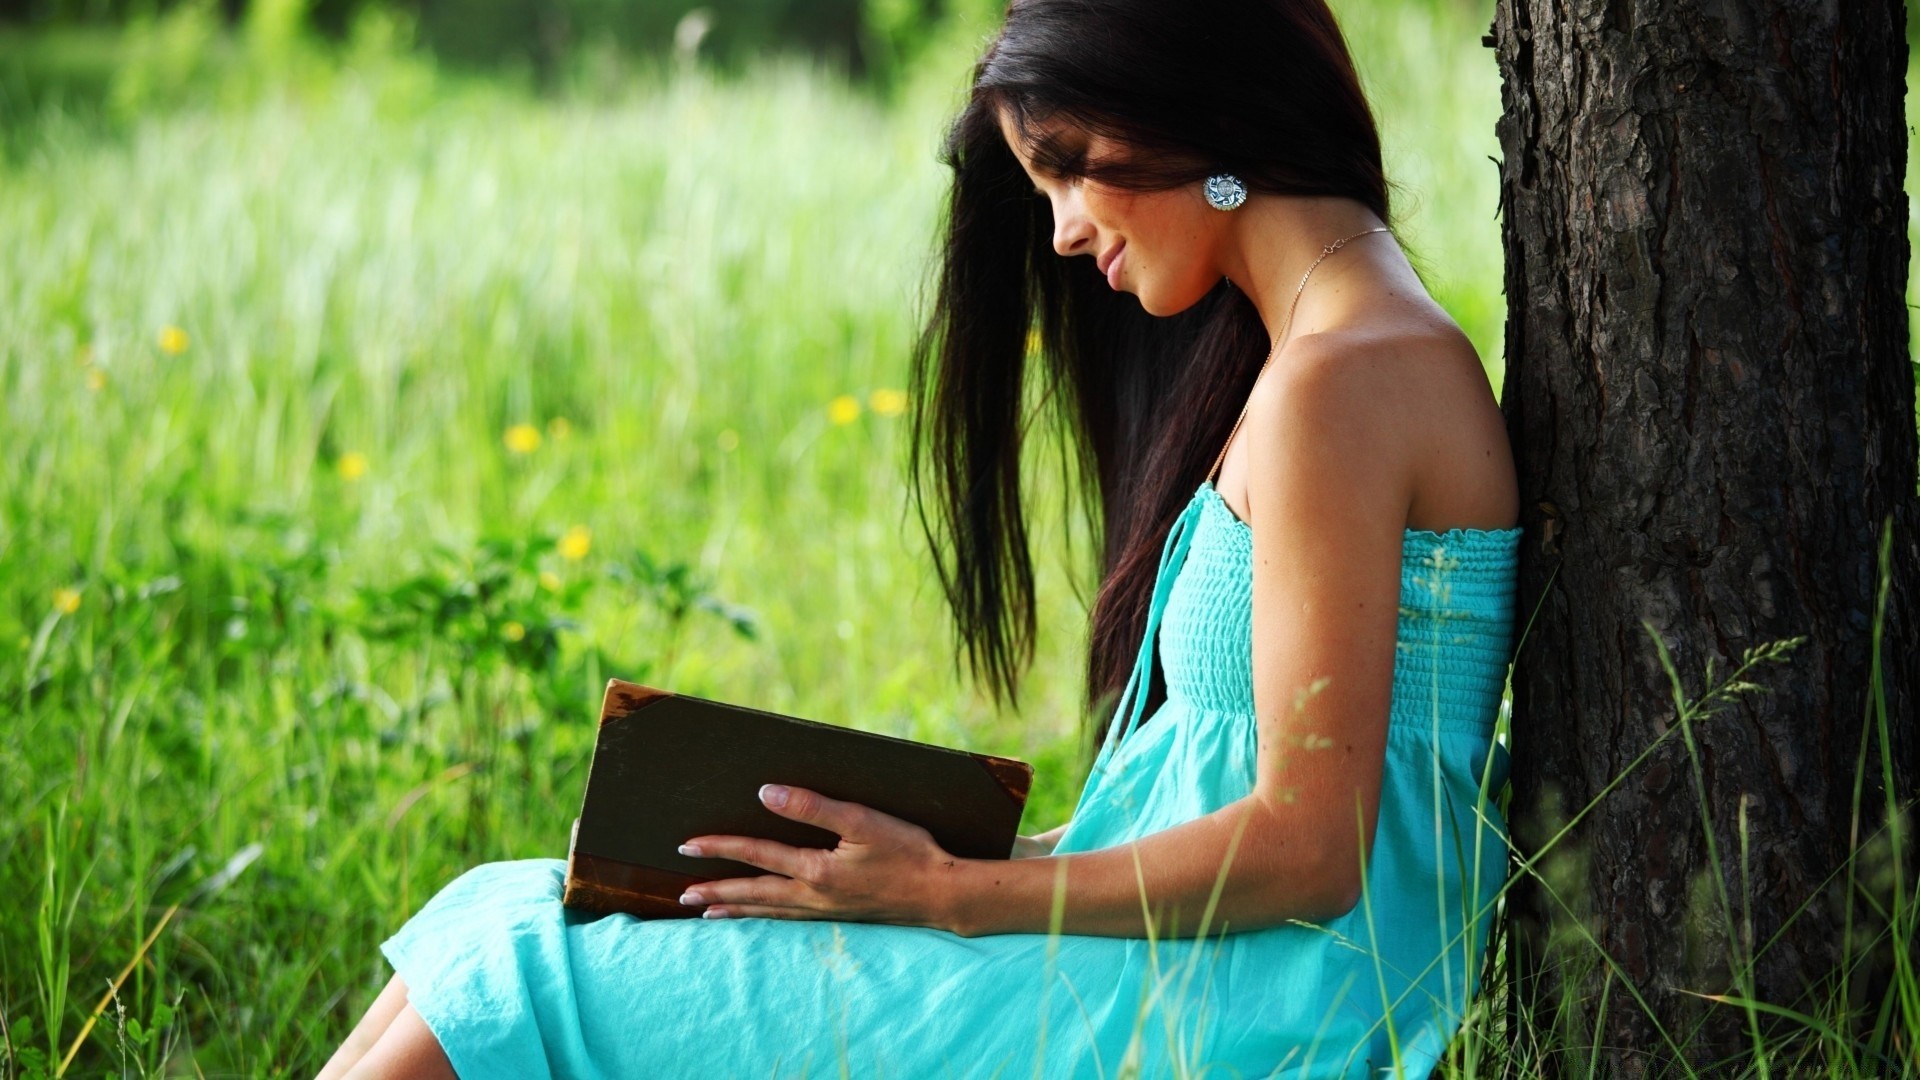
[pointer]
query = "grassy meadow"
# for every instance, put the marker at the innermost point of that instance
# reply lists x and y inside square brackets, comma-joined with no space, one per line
[363,418]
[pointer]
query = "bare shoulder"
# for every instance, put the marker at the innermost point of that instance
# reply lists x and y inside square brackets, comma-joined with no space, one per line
[1333,377]
[1407,408]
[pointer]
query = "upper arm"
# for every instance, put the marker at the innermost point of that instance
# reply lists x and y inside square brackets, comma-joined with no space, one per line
[1329,482]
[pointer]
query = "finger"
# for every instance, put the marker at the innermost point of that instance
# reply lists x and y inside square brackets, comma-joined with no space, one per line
[770,890]
[848,820]
[761,911]
[765,854]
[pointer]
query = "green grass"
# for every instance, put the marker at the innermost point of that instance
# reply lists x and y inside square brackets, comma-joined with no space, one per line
[286,639]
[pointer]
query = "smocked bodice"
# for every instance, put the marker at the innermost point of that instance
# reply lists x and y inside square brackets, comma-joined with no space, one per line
[1456,610]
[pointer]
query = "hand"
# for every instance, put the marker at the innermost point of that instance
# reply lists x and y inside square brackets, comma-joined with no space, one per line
[883,870]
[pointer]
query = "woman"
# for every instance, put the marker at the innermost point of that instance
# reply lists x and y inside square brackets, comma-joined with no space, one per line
[1284,860]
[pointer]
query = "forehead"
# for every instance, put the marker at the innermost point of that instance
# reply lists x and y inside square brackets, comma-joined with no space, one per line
[1041,137]
[1010,131]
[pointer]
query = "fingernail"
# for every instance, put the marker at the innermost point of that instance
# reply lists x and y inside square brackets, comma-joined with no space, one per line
[692,898]
[690,849]
[774,795]
[713,913]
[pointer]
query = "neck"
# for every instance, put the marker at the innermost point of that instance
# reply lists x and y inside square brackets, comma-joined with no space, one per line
[1274,243]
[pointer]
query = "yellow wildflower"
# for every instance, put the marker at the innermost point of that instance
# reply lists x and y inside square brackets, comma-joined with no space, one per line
[96,379]
[66,601]
[549,581]
[513,631]
[888,402]
[729,440]
[352,465]
[844,409]
[560,429]
[173,340]
[575,545]
[523,438]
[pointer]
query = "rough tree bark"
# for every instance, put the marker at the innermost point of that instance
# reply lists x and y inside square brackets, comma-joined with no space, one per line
[1711,400]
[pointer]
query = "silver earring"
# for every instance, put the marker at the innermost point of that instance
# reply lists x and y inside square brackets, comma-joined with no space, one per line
[1225,191]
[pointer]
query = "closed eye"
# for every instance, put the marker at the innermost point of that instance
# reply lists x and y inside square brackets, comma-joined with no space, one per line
[1056,155]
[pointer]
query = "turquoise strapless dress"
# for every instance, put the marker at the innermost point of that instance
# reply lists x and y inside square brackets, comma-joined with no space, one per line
[515,986]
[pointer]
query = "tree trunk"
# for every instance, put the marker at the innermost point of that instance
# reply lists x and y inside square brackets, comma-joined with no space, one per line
[1712,406]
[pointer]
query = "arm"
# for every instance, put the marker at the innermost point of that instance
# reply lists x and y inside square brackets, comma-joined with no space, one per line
[1029,847]
[1328,491]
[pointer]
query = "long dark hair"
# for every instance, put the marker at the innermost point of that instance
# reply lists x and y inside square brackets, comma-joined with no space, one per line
[1264,89]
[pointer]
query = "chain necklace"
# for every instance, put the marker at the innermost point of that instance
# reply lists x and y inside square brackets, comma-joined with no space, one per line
[1324,252]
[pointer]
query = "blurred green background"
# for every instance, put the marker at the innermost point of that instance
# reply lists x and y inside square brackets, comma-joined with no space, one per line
[378,379]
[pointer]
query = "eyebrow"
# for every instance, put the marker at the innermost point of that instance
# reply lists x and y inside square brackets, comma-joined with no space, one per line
[1050,146]
[1046,142]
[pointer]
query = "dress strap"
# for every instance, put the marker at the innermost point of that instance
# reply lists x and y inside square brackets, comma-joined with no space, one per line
[1133,699]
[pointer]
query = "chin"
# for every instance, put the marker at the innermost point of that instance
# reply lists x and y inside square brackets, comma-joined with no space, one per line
[1161,303]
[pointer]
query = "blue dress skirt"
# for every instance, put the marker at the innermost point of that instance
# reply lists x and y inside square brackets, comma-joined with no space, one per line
[515,986]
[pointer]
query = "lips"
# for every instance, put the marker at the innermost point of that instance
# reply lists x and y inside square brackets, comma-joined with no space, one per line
[1106,263]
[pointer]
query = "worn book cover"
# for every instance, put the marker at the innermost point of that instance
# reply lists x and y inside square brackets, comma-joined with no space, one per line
[667,767]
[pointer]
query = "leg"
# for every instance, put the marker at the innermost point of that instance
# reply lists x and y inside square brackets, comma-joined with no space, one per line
[368,1031]
[408,1049]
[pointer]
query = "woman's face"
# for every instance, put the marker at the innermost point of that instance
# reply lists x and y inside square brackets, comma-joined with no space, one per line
[1161,246]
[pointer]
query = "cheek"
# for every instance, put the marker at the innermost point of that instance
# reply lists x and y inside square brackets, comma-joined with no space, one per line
[1170,236]
[1179,248]
[1171,248]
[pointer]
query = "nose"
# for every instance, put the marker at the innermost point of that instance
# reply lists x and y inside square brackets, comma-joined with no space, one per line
[1072,233]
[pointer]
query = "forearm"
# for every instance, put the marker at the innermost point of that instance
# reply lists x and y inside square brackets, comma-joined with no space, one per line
[1028,847]
[1272,873]
[1052,836]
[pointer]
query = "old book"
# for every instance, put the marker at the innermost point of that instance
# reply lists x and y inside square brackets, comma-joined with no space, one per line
[668,767]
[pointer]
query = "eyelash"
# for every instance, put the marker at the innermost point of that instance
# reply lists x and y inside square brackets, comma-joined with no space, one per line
[1071,178]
